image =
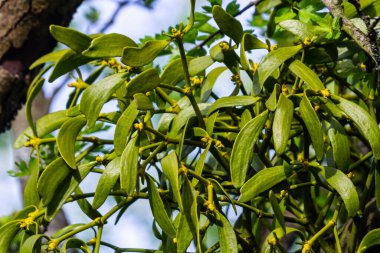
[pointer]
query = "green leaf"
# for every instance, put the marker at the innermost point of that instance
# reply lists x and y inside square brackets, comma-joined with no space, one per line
[227,24]
[31,196]
[344,186]
[339,143]
[51,57]
[242,149]
[181,118]
[67,137]
[278,233]
[158,209]
[108,45]
[30,243]
[376,164]
[137,57]
[191,18]
[366,124]
[44,126]
[210,122]
[143,102]
[372,238]
[226,234]
[282,123]
[273,60]
[201,163]
[106,182]
[266,5]
[199,64]
[129,165]
[190,208]
[298,28]
[169,166]
[271,103]
[51,178]
[66,229]
[217,53]
[220,190]
[264,180]
[210,81]
[68,62]
[86,207]
[184,236]
[313,125]
[143,82]
[33,91]
[249,42]
[173,72]
[8,232]
[232,102]
[123,127]
[75,40]
[66,188]
[306,74]
[95,96]
[278,214]
[75,243]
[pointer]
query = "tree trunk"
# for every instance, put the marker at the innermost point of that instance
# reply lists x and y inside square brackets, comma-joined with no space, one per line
[24,36]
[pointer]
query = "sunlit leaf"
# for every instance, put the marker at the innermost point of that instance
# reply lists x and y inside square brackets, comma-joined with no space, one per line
[281,124]
[129,165]
[108,45]
[137,57]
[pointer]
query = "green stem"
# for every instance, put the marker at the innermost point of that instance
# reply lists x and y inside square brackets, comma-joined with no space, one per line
[360,161]
[153,155]
[98,238]
[188,90]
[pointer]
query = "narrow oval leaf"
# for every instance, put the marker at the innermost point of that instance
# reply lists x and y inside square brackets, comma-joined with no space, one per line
[201,163]
[123,127]
[44,126]
[249,42]
[143,82]
[8,232]
[273,60]
[170,168]
[33,91]
[372,238]
[199,64]
[281,124]
[75,243]
[366,124]
[75,40]
[344,186]
[108,45]
[313,125]
[66,188]
[158,209]
[184,236]
[298,28]
[306,74]
[51,178]
[51,57]
[143,102]
[242,149]
[232,102]
[31,196]
[190,208]
[95,96]
[173,72]
[106,182]
[137,57]
[339,143]
[210,81]
[181,118]
[278,214]
[129,165]
[68,62]
[28,245]
[85,206]
[271,102]
[227,24]
[226,234]
[67,137]
[264,179]
[191,18]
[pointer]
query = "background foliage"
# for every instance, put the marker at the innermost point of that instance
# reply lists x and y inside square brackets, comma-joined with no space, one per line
[293,150]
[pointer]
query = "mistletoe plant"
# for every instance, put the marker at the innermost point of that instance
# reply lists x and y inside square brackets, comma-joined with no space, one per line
[295,145]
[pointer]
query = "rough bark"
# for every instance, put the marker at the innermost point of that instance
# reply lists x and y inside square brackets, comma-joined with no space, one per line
[24,36]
